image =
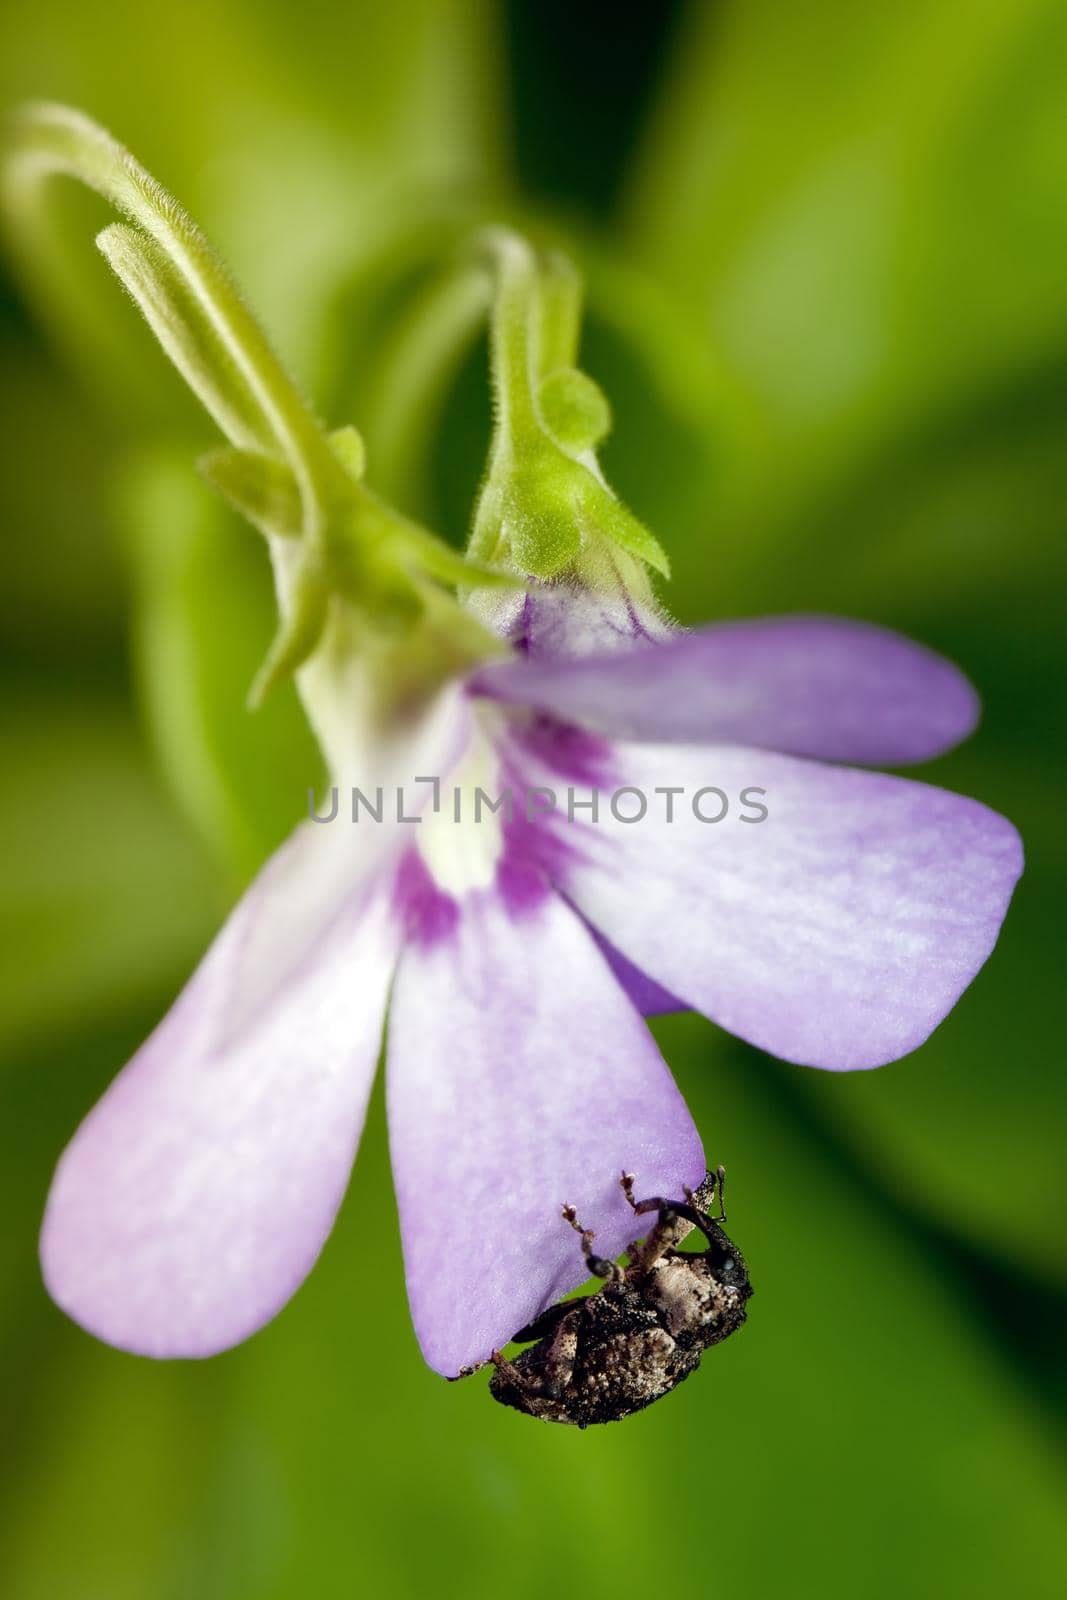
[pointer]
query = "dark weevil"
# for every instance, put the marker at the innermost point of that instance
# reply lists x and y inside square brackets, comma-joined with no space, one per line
[599,1358]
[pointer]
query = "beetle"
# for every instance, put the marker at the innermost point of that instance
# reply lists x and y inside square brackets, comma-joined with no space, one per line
[603,1357]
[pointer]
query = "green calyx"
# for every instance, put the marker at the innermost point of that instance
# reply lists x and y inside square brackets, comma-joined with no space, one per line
[336,542]
[545,510]
[358,583]
[383,566]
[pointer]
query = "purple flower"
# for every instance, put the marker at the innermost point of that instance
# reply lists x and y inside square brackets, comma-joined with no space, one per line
[514,959]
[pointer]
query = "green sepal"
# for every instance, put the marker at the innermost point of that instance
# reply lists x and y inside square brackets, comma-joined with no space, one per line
[264,490]
[615,522]
[260,487]
[574,409]
[297,636]
[541,514]
[347,445]
[553,505]
[543,546]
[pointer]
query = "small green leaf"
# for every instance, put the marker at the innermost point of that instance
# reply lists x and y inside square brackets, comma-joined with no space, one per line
[202,619]
[575,409]
[347,445]
[296,638]
[259,487]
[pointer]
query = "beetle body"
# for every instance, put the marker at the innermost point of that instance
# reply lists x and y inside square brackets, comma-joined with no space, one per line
[603,1357]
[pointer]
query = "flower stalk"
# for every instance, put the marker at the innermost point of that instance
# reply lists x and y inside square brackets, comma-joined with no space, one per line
[174,273]
[345,563]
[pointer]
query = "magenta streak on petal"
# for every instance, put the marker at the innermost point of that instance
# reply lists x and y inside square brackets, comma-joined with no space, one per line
[564,621]
[573,755]
[427,914]
[537,752]
[520,881]
[521,638]
[531,842]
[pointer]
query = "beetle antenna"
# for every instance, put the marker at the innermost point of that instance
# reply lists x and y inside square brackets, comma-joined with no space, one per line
[720,1173]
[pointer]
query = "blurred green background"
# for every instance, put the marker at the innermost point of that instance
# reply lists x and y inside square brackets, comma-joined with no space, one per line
[826,248]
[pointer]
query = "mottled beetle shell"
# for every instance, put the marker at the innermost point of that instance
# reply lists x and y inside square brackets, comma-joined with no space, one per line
[603,1357]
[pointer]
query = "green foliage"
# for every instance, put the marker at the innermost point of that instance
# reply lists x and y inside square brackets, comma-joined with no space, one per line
[93,855]
[202,623]
[832,320]
[885,289]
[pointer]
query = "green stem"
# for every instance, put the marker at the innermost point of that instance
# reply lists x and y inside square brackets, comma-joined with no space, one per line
[53,140]
[560,321]
[178,321]
[513,323]
[418,364]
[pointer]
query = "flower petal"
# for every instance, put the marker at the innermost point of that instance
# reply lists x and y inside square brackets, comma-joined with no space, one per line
[197,1194]
[520,1078]
[561,621]
[650,998]
[809,686]
[837,932]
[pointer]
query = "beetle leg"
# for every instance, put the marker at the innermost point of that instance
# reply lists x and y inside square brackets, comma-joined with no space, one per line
[642,1254]
[557,1355]
[599,1266]
[511,1374]
[558,1364]
[666,1233]
[546,1323]
[675,1219]
[626,1183]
